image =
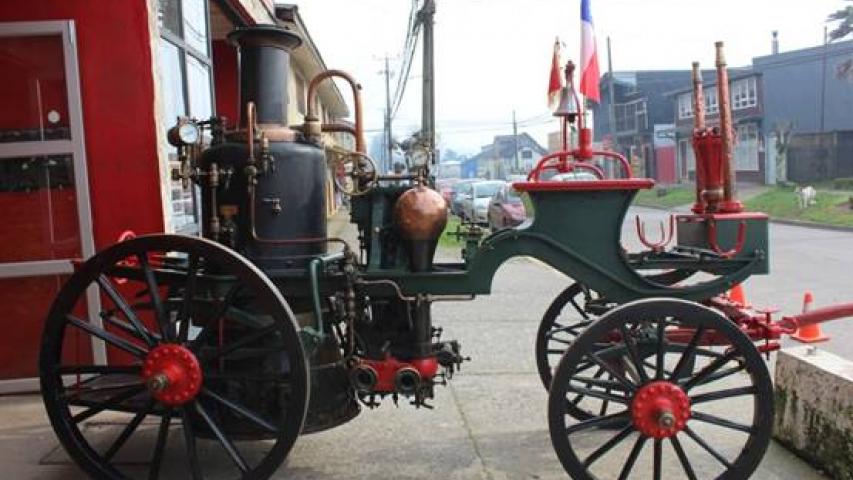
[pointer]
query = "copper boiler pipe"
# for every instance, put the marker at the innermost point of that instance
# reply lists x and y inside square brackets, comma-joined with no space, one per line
[725,124]
[356,93]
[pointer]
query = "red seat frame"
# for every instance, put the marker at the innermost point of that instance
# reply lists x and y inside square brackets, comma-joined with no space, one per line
[585,185]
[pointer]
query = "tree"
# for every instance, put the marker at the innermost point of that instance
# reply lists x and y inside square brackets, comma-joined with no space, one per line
[844,27]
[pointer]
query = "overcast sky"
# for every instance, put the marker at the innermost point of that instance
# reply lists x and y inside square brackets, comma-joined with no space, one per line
[494,56]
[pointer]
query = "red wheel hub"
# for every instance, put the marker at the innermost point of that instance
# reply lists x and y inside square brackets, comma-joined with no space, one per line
[660,409]
[172,373]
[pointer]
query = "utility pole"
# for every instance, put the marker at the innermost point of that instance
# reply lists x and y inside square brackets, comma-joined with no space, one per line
[389,142]
[611,112]
[515,139]
[426,16]
[823,82]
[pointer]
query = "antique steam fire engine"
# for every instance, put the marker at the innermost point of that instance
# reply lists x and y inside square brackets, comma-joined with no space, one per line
[265,328]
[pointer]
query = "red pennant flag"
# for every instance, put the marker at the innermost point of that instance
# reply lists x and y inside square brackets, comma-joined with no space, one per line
[555,83]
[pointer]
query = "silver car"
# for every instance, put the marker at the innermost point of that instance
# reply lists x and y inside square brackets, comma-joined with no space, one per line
[475,202]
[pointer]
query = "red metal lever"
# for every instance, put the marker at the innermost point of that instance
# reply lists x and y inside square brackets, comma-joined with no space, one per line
[712,239]
[665,238]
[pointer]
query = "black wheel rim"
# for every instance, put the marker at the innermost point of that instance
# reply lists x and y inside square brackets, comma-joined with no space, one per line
[564,320]
[217,306]
[728,386]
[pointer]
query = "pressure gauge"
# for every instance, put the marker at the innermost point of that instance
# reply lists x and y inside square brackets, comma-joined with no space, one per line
[184,133]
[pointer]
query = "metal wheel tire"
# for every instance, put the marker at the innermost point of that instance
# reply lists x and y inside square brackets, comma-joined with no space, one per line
[663,405]
[185,298]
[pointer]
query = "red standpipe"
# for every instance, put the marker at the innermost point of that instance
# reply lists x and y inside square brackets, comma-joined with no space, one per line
[730,203]
[698,131]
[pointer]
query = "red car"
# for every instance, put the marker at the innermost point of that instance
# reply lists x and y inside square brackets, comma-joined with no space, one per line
[505,209]
[444,186]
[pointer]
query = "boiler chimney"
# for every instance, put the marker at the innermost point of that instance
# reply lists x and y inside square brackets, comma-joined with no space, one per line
[264,70]
[774,45]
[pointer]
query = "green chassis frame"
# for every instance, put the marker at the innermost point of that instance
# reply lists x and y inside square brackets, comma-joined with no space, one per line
[577,232]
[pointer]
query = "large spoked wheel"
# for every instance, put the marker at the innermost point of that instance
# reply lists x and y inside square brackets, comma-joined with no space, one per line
[703,400]
[206,375]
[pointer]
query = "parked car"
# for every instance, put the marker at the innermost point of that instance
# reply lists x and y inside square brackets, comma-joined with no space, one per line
[460,189]
[444,186]
[475,204]
[505,209]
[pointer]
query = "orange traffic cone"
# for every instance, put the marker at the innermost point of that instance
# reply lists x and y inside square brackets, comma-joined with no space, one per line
[736,295]
[809,333]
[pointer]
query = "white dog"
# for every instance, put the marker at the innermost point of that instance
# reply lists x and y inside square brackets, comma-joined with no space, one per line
[805,196]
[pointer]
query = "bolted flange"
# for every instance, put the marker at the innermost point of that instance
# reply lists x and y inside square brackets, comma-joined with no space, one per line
[172,374]
[660,409]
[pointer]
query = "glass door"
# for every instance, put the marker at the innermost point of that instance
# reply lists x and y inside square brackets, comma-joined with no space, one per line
[44,193]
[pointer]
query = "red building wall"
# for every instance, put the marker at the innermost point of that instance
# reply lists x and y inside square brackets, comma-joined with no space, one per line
[117,89]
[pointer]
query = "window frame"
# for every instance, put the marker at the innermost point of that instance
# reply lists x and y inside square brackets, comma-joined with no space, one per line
[185,50]
[685,106]
[744,93]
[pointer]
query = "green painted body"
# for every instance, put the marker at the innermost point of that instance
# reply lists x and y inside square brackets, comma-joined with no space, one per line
[575,232]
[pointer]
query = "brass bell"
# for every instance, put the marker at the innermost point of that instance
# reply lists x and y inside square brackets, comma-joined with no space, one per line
[567,106]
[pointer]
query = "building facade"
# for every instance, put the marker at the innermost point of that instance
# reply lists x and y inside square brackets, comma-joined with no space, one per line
[89,91]
[507,155]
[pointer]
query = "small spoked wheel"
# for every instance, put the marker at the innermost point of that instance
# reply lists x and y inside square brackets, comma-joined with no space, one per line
[564,320]
[204,375]
[700,406]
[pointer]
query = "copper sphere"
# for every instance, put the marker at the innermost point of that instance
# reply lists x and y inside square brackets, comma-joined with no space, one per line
[420,214]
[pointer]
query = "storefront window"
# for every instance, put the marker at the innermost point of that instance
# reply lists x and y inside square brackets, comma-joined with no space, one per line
[187,88]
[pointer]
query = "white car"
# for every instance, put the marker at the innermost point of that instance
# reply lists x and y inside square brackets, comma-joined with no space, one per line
[475,203]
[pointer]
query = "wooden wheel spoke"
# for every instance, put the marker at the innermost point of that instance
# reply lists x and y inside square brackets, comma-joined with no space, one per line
[578,309]
[127,327]
[223,440]
[632,458]
[709,369]
[657,459]
[241,409]
[633,355]
[126,310]
[661,350]
[154,294]
[185,314]
[160,446]
[605,421]
[702,443]
[608,445]
[720,422]
[189,441]
[113,401]
[97,369]
[688,354]
[128,431]
[108,337]
[682,458]
[622,379]
[243,342]
[223,307]
[723,394]
[598,394]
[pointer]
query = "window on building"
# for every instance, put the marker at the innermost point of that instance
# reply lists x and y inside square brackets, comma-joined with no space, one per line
[186,86]
[744,93]
[685,105]
[526,154]
[631,116]
[712,104]
[746,147]
[300,92]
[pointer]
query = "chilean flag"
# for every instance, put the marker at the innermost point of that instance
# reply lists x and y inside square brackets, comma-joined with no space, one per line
[555,82]
[589,56]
